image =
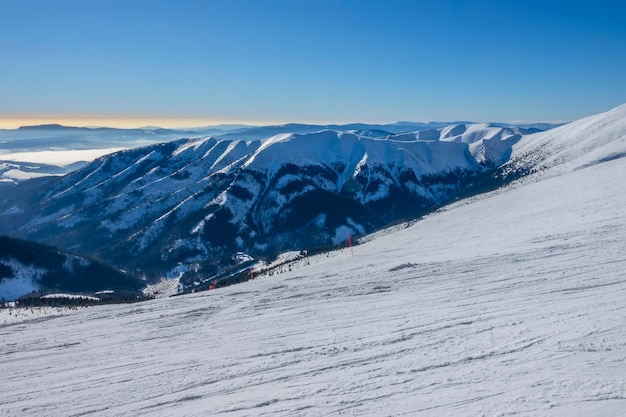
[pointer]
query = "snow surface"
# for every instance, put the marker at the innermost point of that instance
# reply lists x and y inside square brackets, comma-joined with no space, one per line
[70,296]
[12,315]
[585,142]
[512,304]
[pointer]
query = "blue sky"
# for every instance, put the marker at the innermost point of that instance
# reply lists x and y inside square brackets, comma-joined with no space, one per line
[269,61]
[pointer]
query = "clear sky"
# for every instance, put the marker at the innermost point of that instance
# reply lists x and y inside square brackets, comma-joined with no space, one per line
[184,62]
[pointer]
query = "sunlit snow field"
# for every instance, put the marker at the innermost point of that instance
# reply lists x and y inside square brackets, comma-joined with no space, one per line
[512,304]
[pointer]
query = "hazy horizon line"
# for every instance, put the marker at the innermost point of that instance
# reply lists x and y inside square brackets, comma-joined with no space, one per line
[122,122]
[181,122]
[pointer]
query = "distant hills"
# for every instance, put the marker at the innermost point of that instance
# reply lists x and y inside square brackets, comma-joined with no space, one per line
[17,144]
[58,137]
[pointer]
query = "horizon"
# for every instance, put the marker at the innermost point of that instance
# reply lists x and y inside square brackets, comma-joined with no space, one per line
[120,122]
[263,63]
[9,123]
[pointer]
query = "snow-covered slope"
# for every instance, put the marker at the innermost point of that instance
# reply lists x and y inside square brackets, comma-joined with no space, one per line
[511,304]
[36,151]
[488,143]
[578,144]
[18,279]
[27,267]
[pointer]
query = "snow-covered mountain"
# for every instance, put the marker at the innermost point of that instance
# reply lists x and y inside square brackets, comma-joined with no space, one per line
[27,267]
[36,151]
[370,130]
[582,143]
[263,132]
[45,150]
[194,200]
[509,303]
[489,144]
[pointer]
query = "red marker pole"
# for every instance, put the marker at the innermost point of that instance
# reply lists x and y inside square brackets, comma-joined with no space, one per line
[350,243]
[251,273]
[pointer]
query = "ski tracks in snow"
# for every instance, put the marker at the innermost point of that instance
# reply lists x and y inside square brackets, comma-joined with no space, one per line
[464,313]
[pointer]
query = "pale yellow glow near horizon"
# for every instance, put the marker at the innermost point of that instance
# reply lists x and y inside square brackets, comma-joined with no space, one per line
[124,122]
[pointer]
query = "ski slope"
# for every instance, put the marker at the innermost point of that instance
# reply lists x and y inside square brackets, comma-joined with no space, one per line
[513,304]
[579,144]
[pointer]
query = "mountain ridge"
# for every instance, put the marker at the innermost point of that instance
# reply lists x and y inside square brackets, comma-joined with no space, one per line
[228,196]
[198,202]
